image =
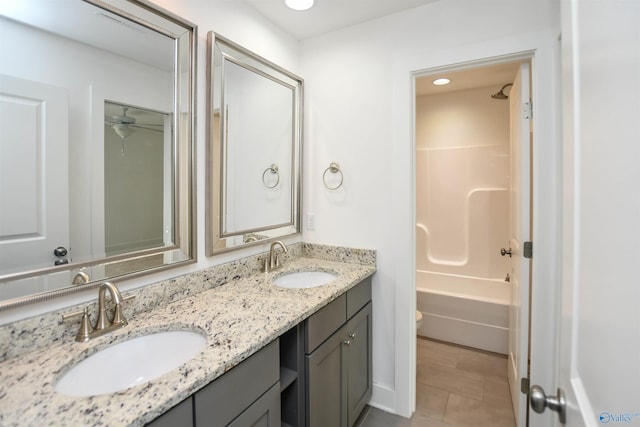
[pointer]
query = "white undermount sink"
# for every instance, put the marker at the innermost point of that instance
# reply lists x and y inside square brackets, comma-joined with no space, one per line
[130,363]
[304,279]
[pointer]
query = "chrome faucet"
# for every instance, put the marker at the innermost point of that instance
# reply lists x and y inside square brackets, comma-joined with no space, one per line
[272,262]
[117,319]
[104,323]
[81,278]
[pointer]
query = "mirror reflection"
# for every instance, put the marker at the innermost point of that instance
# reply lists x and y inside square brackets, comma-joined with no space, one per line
[255,116]
[138,189]
[95,143]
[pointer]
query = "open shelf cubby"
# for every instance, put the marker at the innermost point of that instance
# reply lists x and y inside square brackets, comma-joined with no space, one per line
[292,377]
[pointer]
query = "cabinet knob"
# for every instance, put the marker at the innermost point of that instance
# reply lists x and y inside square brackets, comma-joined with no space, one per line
[352,335]
[347,342]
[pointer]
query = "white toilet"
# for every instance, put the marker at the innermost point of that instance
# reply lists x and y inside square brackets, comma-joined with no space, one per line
[418,319]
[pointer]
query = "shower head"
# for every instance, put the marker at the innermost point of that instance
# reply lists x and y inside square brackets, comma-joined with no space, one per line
[500,94]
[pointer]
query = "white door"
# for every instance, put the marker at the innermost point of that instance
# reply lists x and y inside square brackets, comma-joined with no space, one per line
[34,212]
[599,345]
[519,233]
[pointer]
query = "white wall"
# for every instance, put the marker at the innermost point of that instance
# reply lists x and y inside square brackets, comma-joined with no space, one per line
[359,103]
[241,24]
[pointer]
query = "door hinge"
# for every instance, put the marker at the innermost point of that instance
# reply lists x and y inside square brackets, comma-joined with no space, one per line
[527,251]
[524,385]
[527,110]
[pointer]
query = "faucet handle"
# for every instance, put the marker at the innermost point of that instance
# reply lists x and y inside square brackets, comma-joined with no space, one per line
[85,327]
[85,324]
[118,316]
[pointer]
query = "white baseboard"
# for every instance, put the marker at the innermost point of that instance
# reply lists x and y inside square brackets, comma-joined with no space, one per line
[383,398]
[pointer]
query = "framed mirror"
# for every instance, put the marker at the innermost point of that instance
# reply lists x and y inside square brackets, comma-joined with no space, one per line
[96,144]
[254,122]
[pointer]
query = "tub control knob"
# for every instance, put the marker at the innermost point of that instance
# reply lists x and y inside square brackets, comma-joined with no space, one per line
[505,252]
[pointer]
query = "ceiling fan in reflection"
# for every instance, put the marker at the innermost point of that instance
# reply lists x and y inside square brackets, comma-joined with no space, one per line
[125,125]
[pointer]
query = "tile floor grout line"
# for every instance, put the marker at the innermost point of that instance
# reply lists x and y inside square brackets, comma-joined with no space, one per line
[446,406]
[458,407]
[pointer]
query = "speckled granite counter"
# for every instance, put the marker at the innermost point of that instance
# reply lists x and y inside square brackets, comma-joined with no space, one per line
[237,318]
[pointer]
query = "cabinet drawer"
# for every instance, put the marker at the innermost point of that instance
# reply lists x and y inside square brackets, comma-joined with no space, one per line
[224,399]
[325,322]
[358,297]
[264,412]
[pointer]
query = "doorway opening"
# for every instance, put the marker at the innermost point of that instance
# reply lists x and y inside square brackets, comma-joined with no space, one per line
[472,183]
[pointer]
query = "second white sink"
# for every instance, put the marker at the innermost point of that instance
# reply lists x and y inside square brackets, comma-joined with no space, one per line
[305,279]
[130,363]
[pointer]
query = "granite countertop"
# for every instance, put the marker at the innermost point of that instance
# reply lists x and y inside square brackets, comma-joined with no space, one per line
[237,318]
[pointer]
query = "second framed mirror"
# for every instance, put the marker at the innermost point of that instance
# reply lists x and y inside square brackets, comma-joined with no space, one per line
[254,124]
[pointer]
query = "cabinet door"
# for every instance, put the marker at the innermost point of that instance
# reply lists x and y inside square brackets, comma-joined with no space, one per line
[264,412]
[327,392]
[222,401]
[178,416]
[358,354]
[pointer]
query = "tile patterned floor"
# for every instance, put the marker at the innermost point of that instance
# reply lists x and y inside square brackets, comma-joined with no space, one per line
[456,387]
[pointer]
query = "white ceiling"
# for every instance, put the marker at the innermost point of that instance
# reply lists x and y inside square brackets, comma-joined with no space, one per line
[86,23]
[492,76]
[329,15]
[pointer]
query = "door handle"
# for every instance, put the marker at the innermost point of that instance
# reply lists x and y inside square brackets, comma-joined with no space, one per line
[60,251]
[540,401]
[505,252]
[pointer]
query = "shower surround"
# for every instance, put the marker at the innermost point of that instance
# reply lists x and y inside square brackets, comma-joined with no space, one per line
[462,218]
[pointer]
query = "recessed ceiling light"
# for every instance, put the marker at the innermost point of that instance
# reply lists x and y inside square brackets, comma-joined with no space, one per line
[299,4]
[441,81]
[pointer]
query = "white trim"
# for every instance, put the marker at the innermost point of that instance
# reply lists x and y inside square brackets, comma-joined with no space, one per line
[383,398]
[588,415]
[545,197]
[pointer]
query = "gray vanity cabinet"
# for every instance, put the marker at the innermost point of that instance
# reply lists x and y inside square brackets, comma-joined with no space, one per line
[178,416]
[339,369]
[326,368]
[264,412]
[247,395]
[316,374]
[359,372]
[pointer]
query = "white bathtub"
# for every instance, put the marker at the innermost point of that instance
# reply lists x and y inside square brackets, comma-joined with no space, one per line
[464,310]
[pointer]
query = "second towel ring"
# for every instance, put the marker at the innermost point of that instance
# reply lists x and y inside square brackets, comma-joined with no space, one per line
[274,170]
[334,168]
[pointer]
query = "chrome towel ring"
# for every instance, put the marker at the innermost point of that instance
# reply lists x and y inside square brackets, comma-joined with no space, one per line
[274,171]
[334,168]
